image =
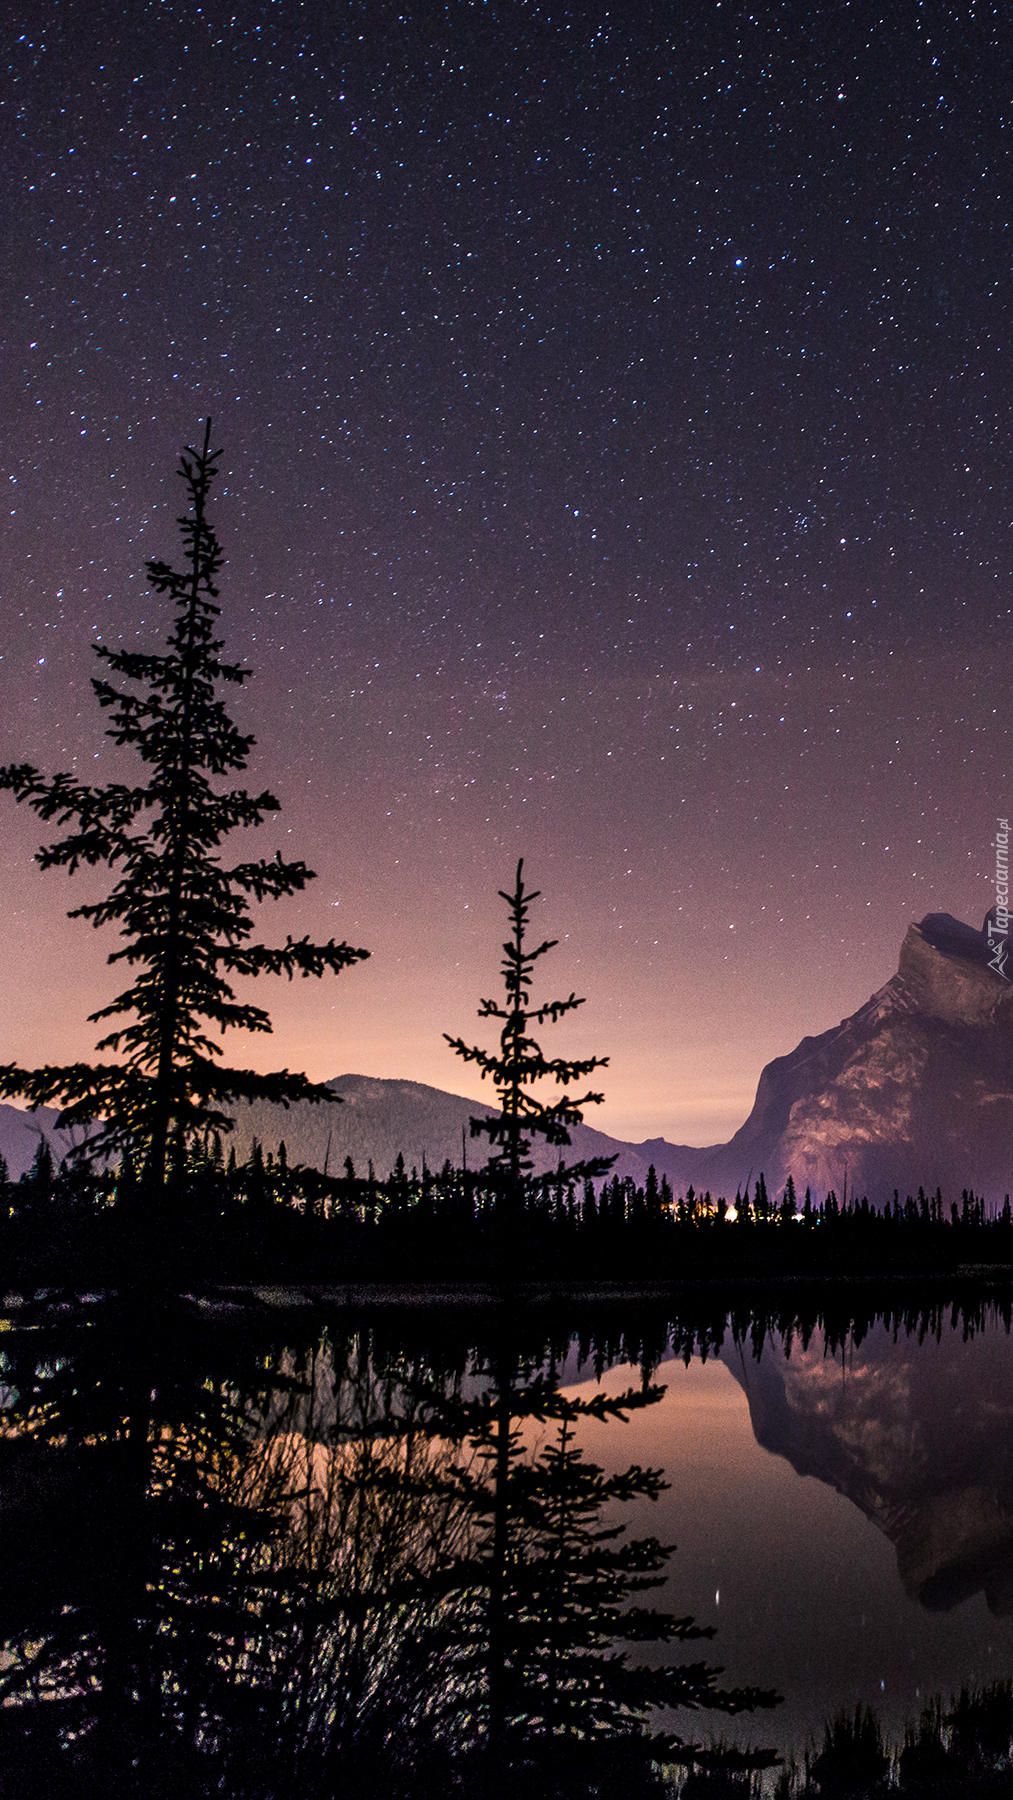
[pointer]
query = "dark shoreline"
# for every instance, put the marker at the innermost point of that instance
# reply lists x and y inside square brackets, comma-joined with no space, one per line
[213,1303]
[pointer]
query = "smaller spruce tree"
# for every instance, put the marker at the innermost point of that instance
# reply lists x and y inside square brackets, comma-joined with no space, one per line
[521,1064]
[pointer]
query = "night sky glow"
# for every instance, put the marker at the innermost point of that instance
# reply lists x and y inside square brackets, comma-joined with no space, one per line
[615,404]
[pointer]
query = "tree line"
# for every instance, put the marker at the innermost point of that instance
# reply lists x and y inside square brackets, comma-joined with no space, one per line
[267,1217]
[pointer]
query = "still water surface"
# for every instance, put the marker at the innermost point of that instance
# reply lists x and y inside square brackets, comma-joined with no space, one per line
[257,1539]
[845,1521]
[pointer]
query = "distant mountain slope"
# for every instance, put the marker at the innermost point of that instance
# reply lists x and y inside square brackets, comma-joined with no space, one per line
[20,1133]
[377,1119]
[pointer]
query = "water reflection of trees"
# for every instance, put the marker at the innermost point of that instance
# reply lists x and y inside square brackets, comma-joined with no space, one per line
[348,1645]
[550,1588]
[364,1559]
[334,1567]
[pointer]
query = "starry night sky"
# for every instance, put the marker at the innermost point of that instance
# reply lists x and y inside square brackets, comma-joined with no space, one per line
[615,411]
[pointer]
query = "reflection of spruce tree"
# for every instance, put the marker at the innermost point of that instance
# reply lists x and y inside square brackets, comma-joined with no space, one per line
[222,1594]
[123,1579]
[545,1679]
[521,1064]
[251,1574]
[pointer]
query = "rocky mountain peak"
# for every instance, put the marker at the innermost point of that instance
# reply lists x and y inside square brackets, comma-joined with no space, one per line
[947,970]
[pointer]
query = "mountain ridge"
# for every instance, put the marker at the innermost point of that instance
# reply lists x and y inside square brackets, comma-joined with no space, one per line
[913,1089]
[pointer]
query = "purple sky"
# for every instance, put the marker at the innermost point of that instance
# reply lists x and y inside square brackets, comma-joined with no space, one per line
[615,407]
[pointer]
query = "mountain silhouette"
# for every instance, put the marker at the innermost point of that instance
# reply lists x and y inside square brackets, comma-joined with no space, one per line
[914,1089]
[378,1119]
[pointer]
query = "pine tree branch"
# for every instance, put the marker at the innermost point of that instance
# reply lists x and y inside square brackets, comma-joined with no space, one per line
[294,958]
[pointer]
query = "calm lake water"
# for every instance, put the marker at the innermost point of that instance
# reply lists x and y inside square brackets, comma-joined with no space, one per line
[239,1539]
[844,1519]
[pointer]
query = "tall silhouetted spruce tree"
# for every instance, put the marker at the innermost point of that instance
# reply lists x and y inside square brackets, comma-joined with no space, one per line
[521,1063]
[183,914]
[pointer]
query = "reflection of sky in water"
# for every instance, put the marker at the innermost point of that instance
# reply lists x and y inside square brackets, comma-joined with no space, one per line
[803,1587]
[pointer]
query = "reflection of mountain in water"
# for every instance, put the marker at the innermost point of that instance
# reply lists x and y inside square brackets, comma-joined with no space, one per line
[919,1436]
